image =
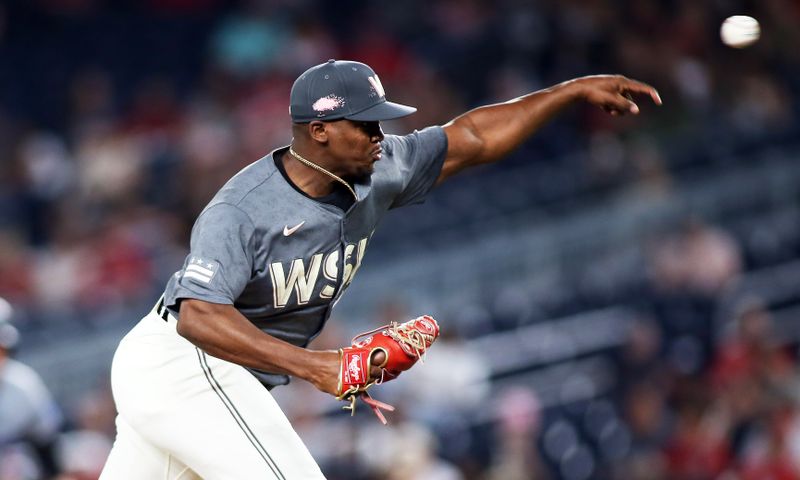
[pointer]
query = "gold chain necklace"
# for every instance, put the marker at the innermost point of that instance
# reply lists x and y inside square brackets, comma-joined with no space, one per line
[316,167]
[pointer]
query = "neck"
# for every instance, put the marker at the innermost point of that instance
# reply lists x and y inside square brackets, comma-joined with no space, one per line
[312,177]
[311,181]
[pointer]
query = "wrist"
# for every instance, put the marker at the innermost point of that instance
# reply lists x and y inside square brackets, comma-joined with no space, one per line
[320,367]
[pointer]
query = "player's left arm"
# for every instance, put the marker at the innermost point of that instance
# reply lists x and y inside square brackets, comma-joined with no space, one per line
[487,134]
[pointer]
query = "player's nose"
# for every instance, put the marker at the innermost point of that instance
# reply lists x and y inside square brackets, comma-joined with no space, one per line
[376,135]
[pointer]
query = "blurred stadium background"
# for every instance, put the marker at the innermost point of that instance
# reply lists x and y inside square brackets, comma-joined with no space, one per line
[620,298]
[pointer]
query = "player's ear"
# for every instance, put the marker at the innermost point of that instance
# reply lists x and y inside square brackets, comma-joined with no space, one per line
[318,131]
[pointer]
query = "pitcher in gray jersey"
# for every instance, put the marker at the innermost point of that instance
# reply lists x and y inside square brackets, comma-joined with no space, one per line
[282,258]
[270,255]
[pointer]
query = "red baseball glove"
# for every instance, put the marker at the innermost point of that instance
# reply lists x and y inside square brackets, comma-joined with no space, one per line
[402,344]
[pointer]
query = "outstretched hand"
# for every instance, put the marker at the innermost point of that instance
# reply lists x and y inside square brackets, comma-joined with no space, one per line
[614,93]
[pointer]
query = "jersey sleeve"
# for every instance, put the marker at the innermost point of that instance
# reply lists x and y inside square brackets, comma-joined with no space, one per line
[220,260]
[418,158]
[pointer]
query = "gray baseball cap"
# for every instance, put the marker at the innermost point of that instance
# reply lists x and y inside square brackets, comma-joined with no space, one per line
[342,89]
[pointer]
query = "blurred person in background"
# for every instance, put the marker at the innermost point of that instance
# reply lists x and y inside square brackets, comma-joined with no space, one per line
[752,350]
[83,448]
[415,456]
[29,417]
[640,357]
[517,431]
[409,451]
[771,451]
[753,377]
[689,268]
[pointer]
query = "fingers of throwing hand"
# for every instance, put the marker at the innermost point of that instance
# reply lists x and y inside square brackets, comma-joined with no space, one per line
[620,101]
[618,104]
[632,107]
[629,87]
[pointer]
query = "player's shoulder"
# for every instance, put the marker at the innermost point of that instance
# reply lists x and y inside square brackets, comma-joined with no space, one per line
[399,145]
[406,155]
[248,181]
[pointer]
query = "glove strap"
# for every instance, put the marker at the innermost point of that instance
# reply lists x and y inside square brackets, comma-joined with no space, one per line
[354,365]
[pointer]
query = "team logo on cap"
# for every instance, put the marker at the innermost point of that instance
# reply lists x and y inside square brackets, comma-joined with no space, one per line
[328,103]
[376,84]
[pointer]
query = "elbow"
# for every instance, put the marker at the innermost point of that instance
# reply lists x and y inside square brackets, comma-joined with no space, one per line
[477,145]
[190,321]
[467,143]
[184,328]
[480,153]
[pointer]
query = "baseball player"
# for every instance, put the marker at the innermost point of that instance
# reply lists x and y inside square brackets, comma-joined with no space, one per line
[271,254]
[30,419]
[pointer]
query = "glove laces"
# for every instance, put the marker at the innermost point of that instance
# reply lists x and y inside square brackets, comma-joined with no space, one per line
[411,340]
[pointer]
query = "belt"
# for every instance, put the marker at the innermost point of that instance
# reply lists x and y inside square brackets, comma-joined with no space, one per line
[161,311]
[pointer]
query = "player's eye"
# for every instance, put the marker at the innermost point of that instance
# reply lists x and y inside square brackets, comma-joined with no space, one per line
[370,128]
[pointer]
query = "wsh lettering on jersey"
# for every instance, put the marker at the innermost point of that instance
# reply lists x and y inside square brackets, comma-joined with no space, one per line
[303,277]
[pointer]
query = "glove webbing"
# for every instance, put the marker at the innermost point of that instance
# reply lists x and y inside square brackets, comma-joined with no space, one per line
[410,339]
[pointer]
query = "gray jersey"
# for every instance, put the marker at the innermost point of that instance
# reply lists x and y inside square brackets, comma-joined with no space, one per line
[283,259]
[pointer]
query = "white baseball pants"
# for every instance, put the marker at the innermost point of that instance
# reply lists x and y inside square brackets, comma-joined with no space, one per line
[183,414]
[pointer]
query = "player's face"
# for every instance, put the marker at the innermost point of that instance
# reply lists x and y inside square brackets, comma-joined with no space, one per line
[356,146]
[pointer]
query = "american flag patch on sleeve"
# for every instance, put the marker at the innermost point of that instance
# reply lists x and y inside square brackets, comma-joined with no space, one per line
[200,270]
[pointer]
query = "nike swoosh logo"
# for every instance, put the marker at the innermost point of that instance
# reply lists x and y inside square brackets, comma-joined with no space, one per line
[288,231]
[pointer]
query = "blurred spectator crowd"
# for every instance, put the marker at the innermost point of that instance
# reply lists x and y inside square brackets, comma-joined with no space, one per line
[119,120]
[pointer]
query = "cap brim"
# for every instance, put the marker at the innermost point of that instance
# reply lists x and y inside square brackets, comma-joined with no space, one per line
[382,111]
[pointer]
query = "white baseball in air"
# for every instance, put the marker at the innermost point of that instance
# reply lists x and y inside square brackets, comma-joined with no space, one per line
[740,31]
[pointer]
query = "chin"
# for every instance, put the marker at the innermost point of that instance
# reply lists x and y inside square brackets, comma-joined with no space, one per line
[362,175]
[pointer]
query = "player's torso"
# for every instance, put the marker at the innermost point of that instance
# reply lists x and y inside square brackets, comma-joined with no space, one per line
[306,253]
[288,257]
[304,260]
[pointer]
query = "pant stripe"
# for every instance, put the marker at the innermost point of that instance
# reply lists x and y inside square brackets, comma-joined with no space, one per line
[237,416]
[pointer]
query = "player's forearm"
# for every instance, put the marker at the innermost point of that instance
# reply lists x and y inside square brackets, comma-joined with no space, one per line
[221,331]
[501,128]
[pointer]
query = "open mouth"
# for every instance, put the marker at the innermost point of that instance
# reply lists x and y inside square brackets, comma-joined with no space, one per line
[377,154]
